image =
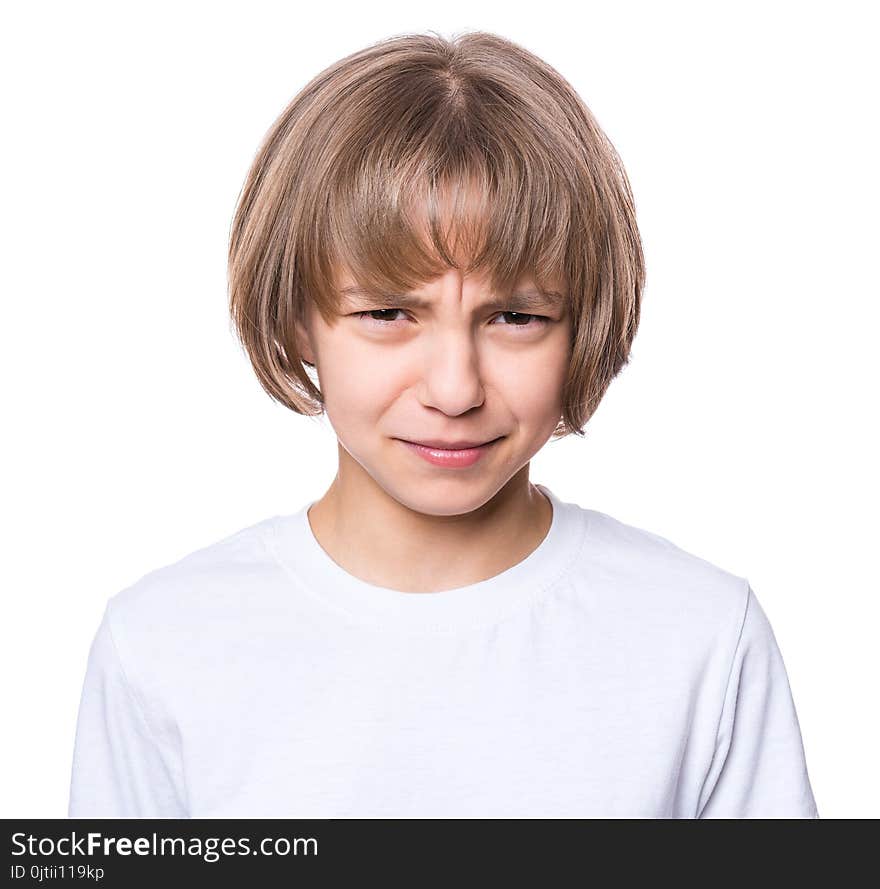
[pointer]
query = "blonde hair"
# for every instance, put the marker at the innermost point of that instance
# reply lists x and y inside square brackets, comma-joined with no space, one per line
[358,170]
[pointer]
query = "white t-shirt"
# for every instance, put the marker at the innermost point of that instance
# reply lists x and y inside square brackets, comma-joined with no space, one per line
[609,674]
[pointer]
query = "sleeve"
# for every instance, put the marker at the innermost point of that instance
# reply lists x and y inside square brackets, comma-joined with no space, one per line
[758,769]
[118,770]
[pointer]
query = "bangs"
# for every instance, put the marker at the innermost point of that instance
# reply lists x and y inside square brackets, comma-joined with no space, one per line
[450,188]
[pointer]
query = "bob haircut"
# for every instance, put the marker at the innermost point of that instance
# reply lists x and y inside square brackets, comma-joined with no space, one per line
[387,151]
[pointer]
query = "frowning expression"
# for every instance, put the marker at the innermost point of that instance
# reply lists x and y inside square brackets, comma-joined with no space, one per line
[449,363]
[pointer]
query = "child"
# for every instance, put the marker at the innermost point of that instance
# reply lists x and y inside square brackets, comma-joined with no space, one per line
[437,636]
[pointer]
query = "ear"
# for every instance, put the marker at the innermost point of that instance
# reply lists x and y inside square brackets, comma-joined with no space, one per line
[303,341]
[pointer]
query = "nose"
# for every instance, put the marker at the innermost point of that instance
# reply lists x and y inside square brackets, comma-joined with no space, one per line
[451,381]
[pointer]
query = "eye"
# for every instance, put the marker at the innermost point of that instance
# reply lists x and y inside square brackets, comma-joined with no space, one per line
[522,320]
[519,319]
[377,322]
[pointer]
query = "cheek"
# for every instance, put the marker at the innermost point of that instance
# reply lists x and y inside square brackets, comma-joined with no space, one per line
[355,383]
[532,384]
[361,383]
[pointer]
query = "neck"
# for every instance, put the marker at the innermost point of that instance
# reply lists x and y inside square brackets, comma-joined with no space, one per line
[382,540]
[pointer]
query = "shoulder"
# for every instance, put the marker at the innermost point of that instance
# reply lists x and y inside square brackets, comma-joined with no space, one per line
[644,573]
[180,600]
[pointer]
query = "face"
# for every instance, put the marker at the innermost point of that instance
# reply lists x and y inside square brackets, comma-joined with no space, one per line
[440,365]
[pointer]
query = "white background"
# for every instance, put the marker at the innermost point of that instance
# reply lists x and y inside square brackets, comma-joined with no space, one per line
[744,428]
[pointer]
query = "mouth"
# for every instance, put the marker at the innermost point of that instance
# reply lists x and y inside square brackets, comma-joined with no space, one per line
[461,456]
[438,445]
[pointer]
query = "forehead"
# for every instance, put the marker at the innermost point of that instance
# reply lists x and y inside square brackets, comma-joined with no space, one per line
[455,223]
[525,296]
[520,300]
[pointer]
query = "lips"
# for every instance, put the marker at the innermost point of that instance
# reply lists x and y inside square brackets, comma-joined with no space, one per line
[450,445]
[452,455]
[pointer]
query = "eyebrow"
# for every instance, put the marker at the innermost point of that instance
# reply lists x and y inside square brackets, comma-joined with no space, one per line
[526,301]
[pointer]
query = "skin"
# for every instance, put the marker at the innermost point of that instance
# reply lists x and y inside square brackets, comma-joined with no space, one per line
[452,371]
